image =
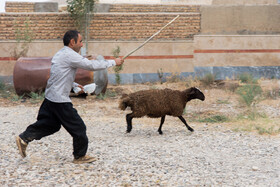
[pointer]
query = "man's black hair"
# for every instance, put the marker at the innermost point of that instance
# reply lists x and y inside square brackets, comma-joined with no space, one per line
[71,34]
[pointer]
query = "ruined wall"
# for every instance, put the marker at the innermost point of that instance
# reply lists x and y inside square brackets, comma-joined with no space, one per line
[19,7]
[188,2]
[152,8]
[52,26]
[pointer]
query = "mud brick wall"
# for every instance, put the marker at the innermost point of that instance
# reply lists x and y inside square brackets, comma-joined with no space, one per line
[19,7]
[124,8]
[104,26]
[43,26]
[153,8]
[141,26]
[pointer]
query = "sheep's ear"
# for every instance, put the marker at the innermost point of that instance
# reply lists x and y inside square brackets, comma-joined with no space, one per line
[197,89]
[192,90]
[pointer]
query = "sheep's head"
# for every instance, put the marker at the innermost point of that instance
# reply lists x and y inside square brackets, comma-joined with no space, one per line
[195,93]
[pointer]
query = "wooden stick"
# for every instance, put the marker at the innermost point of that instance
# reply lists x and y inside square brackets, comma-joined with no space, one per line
[150,37]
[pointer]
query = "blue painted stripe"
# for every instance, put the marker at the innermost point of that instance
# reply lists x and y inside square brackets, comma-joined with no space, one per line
[233,71]
[6,79]
[221,74]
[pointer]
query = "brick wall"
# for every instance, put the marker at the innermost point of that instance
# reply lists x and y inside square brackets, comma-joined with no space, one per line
[153,8]
[44,26]
[141,26]
[52,26]
[120,26]
[19,7]
[29,7]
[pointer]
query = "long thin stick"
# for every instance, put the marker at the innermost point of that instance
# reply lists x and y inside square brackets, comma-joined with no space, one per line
[151,37]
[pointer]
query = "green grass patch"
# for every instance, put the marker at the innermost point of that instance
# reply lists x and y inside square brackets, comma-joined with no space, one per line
[214,119]
[220,101]
[269,130]
[272,130]
[246,128]
[251,115]
[2,86]
[107,94]
[15,97]
[262,126]
[7,91]
[36,97]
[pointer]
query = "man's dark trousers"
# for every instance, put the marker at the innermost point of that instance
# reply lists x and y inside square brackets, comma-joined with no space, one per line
[49,120]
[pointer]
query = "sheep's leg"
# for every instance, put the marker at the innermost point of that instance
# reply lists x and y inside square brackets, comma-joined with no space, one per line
[184,121]
[161,123]
[129,122]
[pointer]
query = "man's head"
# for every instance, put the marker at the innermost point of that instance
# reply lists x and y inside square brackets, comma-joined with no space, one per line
[73,39]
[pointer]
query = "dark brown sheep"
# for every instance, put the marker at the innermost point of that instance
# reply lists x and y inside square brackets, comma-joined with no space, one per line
[158,103]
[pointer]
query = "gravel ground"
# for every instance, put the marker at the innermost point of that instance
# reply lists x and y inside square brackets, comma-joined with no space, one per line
[211,155]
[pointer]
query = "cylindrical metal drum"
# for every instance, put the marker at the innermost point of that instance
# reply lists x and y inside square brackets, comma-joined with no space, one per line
[32,74]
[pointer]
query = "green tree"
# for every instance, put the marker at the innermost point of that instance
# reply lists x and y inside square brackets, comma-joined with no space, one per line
[81,12]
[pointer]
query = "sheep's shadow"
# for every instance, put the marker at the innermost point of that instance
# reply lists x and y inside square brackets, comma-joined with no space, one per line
[152,132]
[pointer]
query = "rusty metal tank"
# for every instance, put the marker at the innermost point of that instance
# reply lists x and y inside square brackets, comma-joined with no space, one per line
[32,74]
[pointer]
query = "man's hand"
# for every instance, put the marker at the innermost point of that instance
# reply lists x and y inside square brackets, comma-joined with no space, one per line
[82,89]
[119,61]
[91,57]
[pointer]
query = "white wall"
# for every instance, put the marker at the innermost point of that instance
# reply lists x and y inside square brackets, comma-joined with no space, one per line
[189,2]
[204,2]
[245,2]
[131,1]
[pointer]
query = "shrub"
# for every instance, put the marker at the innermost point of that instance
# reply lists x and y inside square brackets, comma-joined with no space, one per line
[249,94]
[247,78]
[174,77]
[36,97]
[231,86]
[208,79]
[192,82]
[274,93]
[23,37]
[160,75]
[15,97]
[253,115]
[117,69]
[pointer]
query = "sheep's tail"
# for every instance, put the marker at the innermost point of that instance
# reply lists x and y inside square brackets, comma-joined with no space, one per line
[124,102]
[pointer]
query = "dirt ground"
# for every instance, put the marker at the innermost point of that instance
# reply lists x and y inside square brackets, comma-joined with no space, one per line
[239,151]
